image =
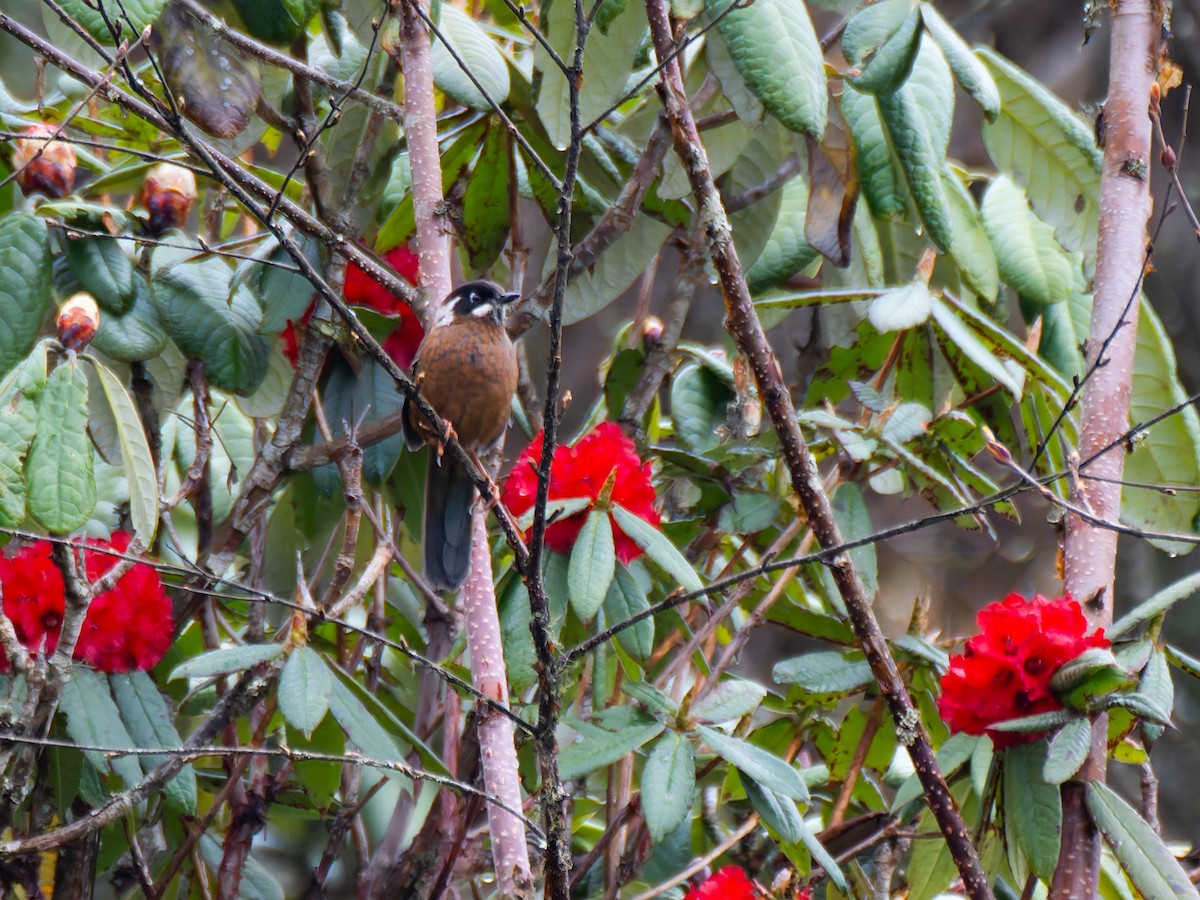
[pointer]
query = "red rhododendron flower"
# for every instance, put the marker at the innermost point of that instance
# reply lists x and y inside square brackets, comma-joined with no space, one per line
[363,290]
[1004,672]
[34,597]
[730,883]
[582,471]
[127,627]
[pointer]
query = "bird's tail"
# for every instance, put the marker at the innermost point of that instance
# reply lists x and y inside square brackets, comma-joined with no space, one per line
[449,494]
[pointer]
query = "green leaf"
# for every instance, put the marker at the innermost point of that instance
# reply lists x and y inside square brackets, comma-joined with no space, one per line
[1068,751]
[882,180]
[854,521]
[209,322]
[786,251]
[884,38]
[1037,722]
[1170,452]
[1154,606]
[668,785]
[520,657]
[132,16]
[624,600]
[19,391]
[136,460]
[659,548]
[650,697]
[1032,808]
[363,729]
[1029,256]
[58,477]
[225,661]
[93,719]
[608,60]
[774,46]
[1151,867]
[304,688]
[730,699]
[136,334]
[1047,149]
[964,339]
[603,748]
[593,561]
[25,284]
[151,724]
[766,151]
[257,882]
[699,400]
[1093,673]
[972,76]
[479,53]
[486,202]
[901,308]
[365,396]
[951,757]
[763,766]
[969,244]
[104,270]
[283,292]
[618,267]
[779,813]
[825,672]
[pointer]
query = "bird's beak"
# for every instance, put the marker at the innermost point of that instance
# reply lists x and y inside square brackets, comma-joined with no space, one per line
[508,298]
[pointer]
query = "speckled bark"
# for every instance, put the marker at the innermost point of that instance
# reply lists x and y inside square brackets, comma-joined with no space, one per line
[1090,553]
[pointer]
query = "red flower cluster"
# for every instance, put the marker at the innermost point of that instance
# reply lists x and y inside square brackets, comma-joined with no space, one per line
[730,883]
[363,290]
[127,627]
[582,471]
[1005,671]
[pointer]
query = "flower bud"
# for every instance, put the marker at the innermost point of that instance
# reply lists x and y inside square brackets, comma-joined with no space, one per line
[44,166]
[168,196]
[652,331]
[77,321]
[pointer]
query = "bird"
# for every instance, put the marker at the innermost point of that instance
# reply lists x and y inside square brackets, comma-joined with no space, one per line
[466,367]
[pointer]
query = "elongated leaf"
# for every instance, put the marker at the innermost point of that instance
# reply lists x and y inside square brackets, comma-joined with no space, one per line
[854,520]
[593,561]
[365,397]
[617,268]
[486,201]
[824,672]
[58,478]
[624,600]
[822,855]
[969,244]
[1068,751]
[283,293]
[1047,149]
[608,59]
[1029,256]
[25,284]
[972,76]
[786,251]
[1141,852]
[972,348]
[1032,808]
[668,785]
[130,16]
[104,270]
[881,42]
[603,748]
[225,661]
[363,730]
[150,724]
[763,766]
[901,308]
[478,52]
[779,813]
[135,454]
[699,404]
[882,180]
[658,548]
[919,160]
[304,688]
[19,391]
[94,720]
[136,334]
[774,46]
[209,323]
[730,699]
[1154,606]
[1170,453]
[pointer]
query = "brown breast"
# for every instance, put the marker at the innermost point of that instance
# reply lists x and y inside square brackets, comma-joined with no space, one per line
[467,370]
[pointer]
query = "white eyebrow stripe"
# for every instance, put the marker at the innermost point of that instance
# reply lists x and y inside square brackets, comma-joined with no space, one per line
[483,309]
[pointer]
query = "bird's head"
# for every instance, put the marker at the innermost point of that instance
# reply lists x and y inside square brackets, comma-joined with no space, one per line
[481,300]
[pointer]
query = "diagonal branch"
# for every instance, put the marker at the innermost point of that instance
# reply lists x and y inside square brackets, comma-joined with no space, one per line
[747,332]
